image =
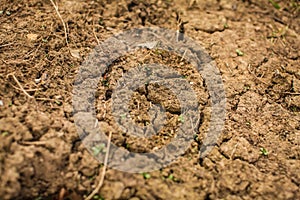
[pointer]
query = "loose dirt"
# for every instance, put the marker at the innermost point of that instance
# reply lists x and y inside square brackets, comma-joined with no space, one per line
[255,46]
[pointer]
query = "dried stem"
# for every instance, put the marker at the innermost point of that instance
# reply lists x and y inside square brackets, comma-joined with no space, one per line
[20,86]
[95,33]
[102,174]
[64,25]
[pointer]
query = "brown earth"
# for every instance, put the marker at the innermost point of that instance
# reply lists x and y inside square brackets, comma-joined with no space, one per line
[41,155]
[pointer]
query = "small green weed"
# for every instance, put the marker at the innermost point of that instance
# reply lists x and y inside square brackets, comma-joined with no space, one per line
[264,151]
[274,4]
[239,52]
[181,119]
[123,116]
[98,197]
[98,148]
[146,175]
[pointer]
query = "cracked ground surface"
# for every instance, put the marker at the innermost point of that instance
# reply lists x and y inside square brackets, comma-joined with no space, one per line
[255,47]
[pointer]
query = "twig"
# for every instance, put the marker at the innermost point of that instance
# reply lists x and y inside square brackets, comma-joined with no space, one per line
[5,45]
[30,90]
[102,174]
[34,142]
[255,75]
[61,194]
[234,149]
[182,58]
[20,86]
[292,93]
[95,33]
[25,92]
[64,25]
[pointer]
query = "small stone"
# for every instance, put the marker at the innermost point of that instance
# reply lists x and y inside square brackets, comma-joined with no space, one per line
[32,37]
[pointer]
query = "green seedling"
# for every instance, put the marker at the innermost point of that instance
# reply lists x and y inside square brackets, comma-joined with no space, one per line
[246,87]
[98,197]
[101,22]
[196,138]
[294,108]
[105,82]
[181,119]
[146,175]
[274,4]
[123,116]
[239,52]
[171,177]
[92,177]
[98,148]
[158,52]
[264,151]
[59,103]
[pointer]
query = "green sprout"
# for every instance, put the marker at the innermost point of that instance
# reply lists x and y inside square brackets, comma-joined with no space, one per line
[105,82]
[59,103]
[264,151]
[239,52]
[123,116]
[98,197]
[98,148]
[294,108]
[101,22]
[246,87]
[146,175]
[180,118]
[275,5]
[171,177]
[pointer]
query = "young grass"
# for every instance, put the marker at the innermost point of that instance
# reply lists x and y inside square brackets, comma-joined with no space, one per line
[146,175]
[264,151]
[275,5]
[181,119]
